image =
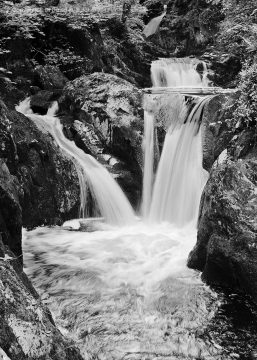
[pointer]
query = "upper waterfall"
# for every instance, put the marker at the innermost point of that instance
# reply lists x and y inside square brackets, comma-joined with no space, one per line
[178,73]
[110,200]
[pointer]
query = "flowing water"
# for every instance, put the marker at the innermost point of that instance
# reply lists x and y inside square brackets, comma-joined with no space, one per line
[108,196]
[124,292]
[180,178]
[148,161]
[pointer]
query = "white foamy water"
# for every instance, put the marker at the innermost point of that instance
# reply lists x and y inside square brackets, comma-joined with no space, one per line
[124,293]
[177,73]
[180,177]
[148,146]
[108,196]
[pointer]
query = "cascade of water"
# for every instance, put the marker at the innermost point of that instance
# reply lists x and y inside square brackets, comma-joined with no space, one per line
[177,73]
[180,176]
[148,161]
[111,201]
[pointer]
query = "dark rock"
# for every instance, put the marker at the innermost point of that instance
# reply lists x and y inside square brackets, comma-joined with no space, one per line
[49,77]
[110,120]
[48,179]
[216,129]
[27,330]
[41,102]
[224,67]
[187,28]
[226,249]
[10,211]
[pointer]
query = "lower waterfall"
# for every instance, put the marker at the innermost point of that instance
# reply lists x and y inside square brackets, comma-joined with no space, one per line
[107,195]
[180,176]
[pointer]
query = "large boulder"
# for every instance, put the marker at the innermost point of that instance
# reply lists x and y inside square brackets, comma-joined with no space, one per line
[226,249]
[106,111]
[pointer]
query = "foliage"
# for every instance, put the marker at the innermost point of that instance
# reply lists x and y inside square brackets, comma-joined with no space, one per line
[238,30]
[246,106]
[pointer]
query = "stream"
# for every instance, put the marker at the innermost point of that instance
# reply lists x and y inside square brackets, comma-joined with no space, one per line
[126,293]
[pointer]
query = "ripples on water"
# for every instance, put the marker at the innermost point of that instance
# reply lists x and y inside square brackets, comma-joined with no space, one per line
[125,293]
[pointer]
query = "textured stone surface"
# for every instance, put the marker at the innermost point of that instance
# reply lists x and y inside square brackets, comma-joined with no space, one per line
[49,77]
[10,211]
[216,131]
[110,122]
[27,330]
[46,181]
[226,249]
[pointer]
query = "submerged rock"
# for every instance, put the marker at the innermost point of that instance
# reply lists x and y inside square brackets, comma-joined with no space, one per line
[226,249]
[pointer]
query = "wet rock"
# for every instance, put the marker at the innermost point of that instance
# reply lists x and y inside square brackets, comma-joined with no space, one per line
[43,180]
[48,179]
[10,211]
[27,330]
[226,249]
[109,112]
[42,100]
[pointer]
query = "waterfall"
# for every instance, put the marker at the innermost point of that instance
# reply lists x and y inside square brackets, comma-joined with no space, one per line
[180,177]
[178,73]
[148,161]
[107,195]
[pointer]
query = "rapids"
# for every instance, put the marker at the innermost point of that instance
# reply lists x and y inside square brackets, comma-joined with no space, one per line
[103,289]
[125,293]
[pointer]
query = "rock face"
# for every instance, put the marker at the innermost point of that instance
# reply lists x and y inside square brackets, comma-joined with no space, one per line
[226,249]
[10,211]
[216,133]
[27,330]
[106,120]
[47,182]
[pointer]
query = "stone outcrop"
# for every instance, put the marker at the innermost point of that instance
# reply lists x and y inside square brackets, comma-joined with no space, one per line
[47,182]
[10,211]
[217,132]
[27,330]
[105,119]
[226,249]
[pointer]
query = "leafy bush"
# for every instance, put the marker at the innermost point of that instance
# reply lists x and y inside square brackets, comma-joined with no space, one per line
[238,30]
[246,106]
